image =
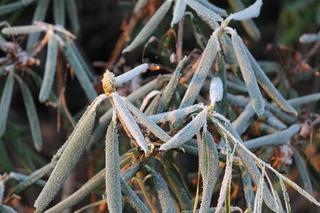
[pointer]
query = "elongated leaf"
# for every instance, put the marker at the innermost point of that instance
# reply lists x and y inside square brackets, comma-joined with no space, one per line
[248,25]
[50,68]
[268,87]
[178,12]
[274,121]
[213,7]
[112,165]
[208,165]
[164,195]
[92,184]
[202,71]
[75,146]
[247,187]
[5,101]
[276,138]
[39,15]
[205,14]
[175,114]
[307,99]
[225,128]
[131,74]
[73,15]
[257,208]
[149,27]
[252,11]
[225,182]
[133,199]
[32,115]
[79,71]
[28,29]
[172,85]
[149,124]
[32,178]
[243,121]
[285,196]
[128,121]
[302,169]
[248,74]
[187,132]
[11,7]
[59,12]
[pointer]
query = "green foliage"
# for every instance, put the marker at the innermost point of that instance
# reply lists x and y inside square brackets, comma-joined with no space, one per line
[216,97]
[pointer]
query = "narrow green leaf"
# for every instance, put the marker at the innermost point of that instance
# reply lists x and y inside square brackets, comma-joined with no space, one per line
[150,26]
[187,132]
[133,199]
[32,178]
[248,74]
[74,148]
[257,208]
[50,68]
[248,25]
[172,85]
[11,7]
[252,11]
[59,12]
[285,196]
[5,101]
[149,124]
[73,15]
[302,169]
[202,71]
[208,165]
[214,8]
[268,86]
[247,187]
[128,121]
[112,166]
[32,115]
[164,195]
[79,70]
[277,138]
[39,15]
[207,15]
[27,29]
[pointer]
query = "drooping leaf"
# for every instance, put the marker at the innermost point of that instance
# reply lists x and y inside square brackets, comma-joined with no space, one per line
[50,68]
[32,115]
[5,101]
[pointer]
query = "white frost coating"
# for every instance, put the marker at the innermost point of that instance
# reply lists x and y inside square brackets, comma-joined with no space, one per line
[178,12]
[131,74]
[175,114]
[214,8]
[128,121]
[201,10]
[309,37]
[148,98]
[252,11]
[1,191]
[187,132]
[216,90]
